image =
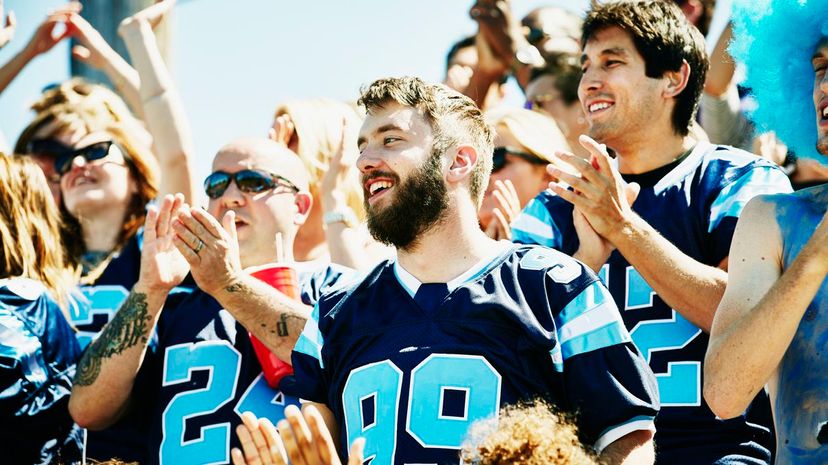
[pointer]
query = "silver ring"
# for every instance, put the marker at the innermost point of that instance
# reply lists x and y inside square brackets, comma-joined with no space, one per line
[199,246]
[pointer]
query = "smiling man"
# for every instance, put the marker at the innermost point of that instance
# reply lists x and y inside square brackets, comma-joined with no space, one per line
[460,324]
[184,359]
[657,221]
[771,328]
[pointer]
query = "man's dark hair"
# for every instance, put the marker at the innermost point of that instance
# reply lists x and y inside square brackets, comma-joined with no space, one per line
[459,45]
[664,38]
[566,68]
[466,42]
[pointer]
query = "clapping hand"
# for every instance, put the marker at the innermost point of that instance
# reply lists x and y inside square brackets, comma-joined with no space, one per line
[507,210]
[302,437]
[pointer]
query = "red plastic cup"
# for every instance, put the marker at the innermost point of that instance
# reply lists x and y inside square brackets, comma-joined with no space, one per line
[284,279]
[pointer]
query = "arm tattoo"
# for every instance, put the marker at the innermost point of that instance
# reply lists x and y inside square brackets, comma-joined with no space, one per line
[236,287]
[127,328]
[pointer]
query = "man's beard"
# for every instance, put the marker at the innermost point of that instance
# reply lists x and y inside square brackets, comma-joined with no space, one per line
[419,203]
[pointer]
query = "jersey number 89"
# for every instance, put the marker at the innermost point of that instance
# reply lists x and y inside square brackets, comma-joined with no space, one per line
[371,399]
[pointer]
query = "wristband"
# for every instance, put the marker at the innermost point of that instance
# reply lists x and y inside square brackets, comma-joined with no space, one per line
[347,217]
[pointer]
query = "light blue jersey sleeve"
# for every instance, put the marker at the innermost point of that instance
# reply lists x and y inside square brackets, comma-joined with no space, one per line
[535,225]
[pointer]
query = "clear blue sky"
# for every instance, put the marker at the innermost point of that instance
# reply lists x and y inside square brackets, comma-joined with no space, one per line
[234,61]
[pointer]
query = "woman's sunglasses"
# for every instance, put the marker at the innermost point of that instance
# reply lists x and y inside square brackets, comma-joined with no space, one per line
[90,153]
[499,158]
[248,181]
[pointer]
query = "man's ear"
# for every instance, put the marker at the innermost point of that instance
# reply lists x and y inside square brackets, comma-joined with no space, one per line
[677,80]
[303,202]
[462,164]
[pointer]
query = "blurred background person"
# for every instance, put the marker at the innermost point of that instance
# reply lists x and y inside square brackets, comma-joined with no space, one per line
[322,132]
[37,343]
[553,89]
[525,142]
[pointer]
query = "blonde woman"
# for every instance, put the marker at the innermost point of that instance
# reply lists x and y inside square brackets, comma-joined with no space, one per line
[525,143]
[37,343]
[322,132]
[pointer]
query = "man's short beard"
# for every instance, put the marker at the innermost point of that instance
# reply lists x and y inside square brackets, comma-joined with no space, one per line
[419,203]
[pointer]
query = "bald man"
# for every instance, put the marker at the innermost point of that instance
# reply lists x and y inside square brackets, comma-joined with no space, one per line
[199,372]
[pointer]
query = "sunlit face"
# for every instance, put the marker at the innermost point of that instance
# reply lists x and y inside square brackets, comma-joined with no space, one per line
[259,216]
[820,65]
[89,187]
[528,178]
[402,178]
[617,97]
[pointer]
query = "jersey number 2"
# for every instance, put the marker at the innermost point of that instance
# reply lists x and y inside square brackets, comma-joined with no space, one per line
[223,362]
[681,385]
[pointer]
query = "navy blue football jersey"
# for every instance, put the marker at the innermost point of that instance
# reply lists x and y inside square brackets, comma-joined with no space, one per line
[411,366]
[38,353]
[105,296]
[126,439]
[203,374]
[695,206]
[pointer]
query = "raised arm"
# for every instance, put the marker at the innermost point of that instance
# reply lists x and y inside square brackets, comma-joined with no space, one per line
[106,372]
[162,106]
[212,250]
[97,53]
[761,309]
[41,42]
[347,241]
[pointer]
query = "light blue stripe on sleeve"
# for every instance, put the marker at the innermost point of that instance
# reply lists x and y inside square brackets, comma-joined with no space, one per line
[591,321]
[609,335]
[733,197]
[534,225]
[310,341]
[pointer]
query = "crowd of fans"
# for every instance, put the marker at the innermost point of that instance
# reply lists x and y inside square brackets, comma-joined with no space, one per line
[630,269]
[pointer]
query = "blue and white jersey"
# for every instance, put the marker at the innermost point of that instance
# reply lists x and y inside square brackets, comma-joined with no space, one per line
[694,204]
[204,373]
[410,366]
[38,351]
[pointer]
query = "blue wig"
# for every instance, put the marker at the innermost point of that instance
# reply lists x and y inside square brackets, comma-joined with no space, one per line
[776,39]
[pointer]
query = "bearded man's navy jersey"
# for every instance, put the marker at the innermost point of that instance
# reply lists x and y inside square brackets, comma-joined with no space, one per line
[694,204]
[409,366]
[38,353]
[203,373]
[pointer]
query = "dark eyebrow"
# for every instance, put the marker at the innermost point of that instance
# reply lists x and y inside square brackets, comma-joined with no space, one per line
[607,51]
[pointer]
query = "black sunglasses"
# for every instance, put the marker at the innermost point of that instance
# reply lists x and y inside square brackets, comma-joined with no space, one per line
[248,181]
[499,158]
[90,153]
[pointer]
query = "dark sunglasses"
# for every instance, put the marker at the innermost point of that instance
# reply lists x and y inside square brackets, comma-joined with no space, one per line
[248,181]
[499,158]
[90,153]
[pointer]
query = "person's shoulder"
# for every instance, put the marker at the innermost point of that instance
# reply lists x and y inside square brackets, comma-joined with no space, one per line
[561,268]
[23,288]
[338,296]
[728,159]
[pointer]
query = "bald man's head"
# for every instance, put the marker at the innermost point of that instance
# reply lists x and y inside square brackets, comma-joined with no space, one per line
[265,154]
[267,216]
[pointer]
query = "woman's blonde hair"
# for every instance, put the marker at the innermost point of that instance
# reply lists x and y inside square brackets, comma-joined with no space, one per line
[318,125]
[535,131]
[31,229]
[530,434]
[142,165]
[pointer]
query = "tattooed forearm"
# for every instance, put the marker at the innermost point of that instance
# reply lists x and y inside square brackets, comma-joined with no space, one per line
[128,328]
[236,287]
